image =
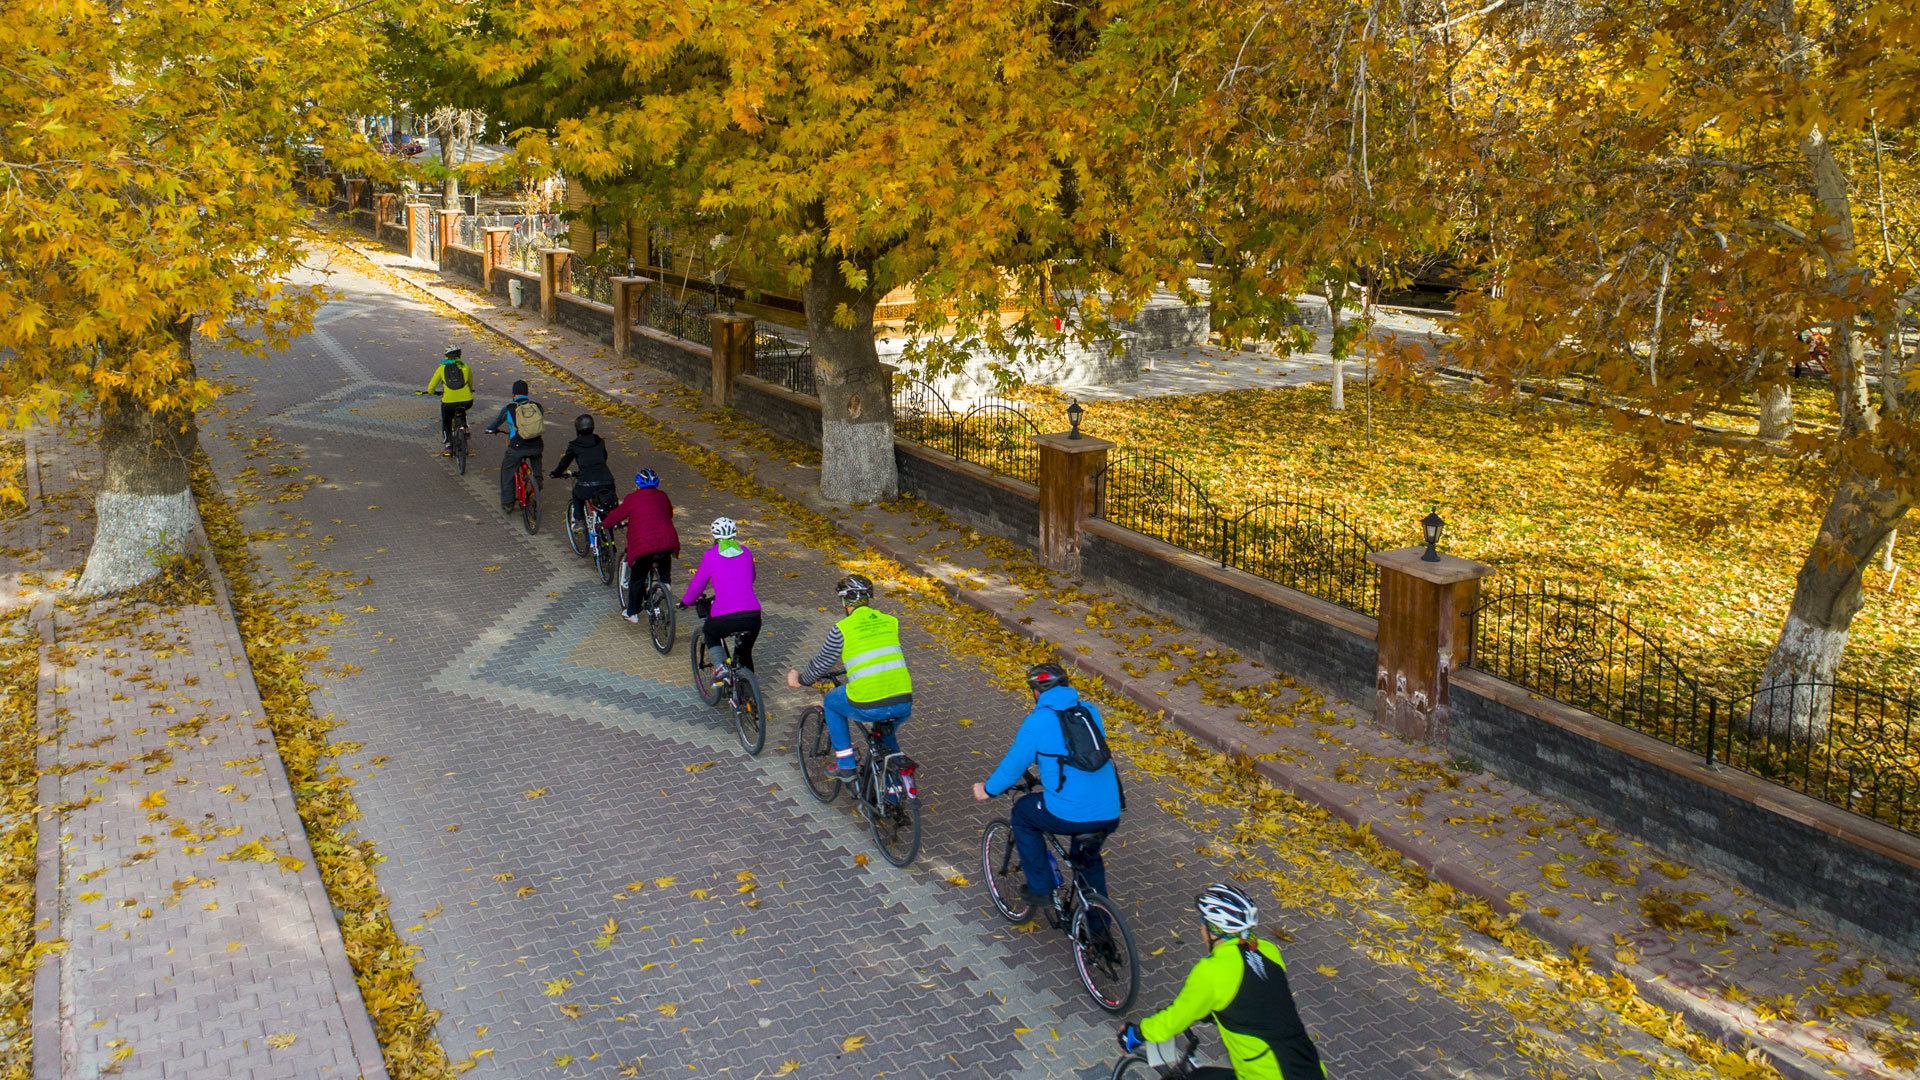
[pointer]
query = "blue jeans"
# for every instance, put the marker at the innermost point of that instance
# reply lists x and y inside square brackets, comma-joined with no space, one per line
[839,710]
[1031,823]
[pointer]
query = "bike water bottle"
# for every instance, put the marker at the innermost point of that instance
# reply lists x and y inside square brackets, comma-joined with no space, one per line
[1053,868]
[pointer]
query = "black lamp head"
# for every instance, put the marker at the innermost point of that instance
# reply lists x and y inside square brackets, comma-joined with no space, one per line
[1430,527]
[1074,412]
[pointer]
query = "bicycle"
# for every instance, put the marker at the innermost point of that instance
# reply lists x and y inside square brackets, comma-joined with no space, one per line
[457,438]
[737,684]
[656,600]
[1103,951]
[588,536]
[526,494]
[884,787]
[1154,1061]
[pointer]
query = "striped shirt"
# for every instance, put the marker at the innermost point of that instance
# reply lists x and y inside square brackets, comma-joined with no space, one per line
[826,660]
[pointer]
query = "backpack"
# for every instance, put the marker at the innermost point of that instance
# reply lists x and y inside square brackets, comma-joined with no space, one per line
[528,421]
[456,379]
[1086,744]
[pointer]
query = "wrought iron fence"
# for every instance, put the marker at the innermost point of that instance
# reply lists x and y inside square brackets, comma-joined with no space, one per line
[994,433]
[589,281]
[785,362]
[1300,541]
[365,199]
[686,316]
[1851,746]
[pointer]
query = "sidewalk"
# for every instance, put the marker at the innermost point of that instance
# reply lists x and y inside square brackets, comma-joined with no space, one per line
[1742,972]
[199,940]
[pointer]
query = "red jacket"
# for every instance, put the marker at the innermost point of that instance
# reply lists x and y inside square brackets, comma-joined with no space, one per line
[648,515]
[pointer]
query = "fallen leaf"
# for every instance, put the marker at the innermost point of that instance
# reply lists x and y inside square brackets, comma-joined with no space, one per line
[667,1009]
[851,1043]
[282,1040]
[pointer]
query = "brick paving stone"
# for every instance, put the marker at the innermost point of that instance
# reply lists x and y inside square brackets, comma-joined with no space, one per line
[523,756]
[1813,981]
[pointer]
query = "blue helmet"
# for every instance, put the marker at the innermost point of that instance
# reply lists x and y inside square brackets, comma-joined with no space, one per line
[647,478]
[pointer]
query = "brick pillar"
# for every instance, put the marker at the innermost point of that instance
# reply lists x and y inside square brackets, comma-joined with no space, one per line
[732,347]
[354,185]
[629,305]
[494,253]
[449,230]
[1067,468]
[419,220]
[553,280]
[1423,627]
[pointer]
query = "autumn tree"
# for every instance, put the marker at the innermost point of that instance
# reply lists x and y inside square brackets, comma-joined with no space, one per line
[150,151]
[868,144]
[1670,195]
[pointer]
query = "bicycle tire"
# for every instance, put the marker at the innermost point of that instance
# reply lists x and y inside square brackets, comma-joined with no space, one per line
[749,713]
[660,613]
[605,556]
[576,531]
[621,583]
[1093,961]
[814,751]
[1135,1067]
[896,822]
[703,683]
[1000,870]
[530,510]
[460,450]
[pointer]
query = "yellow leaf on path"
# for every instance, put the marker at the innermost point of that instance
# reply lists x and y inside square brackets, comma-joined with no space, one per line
[702,765]
[368,608]
[1328,970]
[851,1043]
[524,890]
[282,1040]
[958,879]
[534,793]
[556,987]
[966,723]
[667,1009]
[860,860]
[465,1066]
[1158,951]
[786,1067]
[663,882]
[636,886]
[570,1011]
[154,799]
[697,894]
[612,927]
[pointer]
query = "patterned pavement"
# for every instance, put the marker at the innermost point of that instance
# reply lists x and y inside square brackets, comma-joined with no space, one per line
[599,879]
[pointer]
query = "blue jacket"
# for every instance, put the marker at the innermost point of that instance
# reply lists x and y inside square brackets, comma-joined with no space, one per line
[1084,796]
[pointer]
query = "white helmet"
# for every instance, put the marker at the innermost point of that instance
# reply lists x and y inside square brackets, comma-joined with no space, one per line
[1228,910]
[725,529]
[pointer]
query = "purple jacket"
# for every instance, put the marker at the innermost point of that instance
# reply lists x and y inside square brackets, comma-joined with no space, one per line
[732,580]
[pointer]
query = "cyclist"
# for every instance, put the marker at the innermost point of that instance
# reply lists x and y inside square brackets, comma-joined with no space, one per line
[878,686]
[728,565]
[652,541]
[453,381]
[525,420]
[1242,984]
[1073,799]
[590,452]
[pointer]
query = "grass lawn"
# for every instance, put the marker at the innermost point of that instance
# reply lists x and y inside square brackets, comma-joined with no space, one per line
[1704,556]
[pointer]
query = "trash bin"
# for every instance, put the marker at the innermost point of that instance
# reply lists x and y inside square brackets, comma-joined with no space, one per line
[515,289]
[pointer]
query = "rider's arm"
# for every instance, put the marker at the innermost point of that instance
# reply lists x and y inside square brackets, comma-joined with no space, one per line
[1208,989]
[501,419]
[433,384]
[699,583]
[1020,755]
[566,459]
[825,660]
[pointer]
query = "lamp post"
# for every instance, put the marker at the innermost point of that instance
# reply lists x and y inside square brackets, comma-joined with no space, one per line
[1431,526]
[1074,412]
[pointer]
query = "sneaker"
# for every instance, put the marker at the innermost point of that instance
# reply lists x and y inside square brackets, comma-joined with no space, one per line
[631,618]
[842,773]
[448,452]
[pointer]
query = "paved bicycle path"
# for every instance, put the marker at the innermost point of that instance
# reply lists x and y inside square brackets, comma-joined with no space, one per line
[604,881]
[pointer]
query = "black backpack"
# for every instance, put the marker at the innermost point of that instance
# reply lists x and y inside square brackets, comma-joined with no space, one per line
[1086,744]
[455,378]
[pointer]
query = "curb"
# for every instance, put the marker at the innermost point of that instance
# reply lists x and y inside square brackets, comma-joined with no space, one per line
[368,1057]
[1714,1025]
[48,1025]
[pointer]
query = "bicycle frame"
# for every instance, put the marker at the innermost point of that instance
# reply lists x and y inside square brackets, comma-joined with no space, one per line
[523,479]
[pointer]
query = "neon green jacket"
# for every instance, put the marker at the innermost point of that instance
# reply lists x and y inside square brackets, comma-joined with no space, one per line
[437,384]
[1259,1027]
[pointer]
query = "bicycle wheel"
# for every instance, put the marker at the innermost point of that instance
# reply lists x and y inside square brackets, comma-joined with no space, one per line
[815,750]
[576,530]
[1000,869]
[749,715]
[896,818]
[530,510]
[605,555]
[1135,1067]
[660,618]
[1103,953]
[460,450]
[703,683]
[621,583]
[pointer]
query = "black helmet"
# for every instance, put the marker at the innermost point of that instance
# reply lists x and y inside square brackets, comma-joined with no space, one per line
[583,424]
[854,589]
[1044,677]
[453,354]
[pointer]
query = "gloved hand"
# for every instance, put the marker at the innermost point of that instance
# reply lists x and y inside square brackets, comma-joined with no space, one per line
[1131,1039]
[555,474]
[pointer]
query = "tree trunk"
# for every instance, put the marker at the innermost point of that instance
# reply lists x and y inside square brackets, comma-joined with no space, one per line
[856,400]
[1776,411]
[1792,698]
[143,514]
[450,187]
[1335,294]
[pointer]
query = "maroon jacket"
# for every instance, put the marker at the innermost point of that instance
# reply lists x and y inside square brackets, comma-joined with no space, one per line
[648,515]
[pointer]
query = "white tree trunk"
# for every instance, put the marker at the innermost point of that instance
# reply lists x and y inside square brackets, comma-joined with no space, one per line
[856,397]
[1796,690]
[134,536]
[1776,411]
[1339,384]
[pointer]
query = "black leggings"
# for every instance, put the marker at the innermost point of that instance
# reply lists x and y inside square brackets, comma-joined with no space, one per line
[449,410]
[661,563]
[744,623]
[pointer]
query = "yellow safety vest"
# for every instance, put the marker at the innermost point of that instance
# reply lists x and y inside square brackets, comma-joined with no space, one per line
[876,665]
